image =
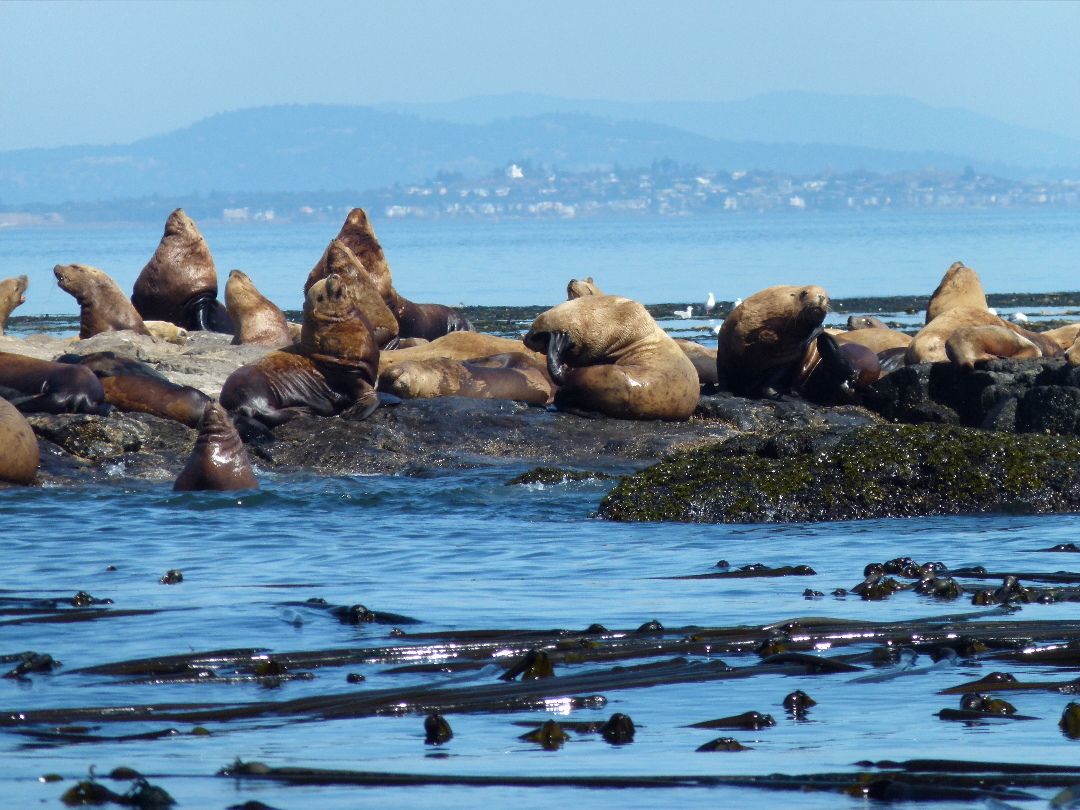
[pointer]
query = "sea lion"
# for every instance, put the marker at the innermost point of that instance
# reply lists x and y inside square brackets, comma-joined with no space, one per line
[12,294]
[704,360]
[969,345]
[332,371]
[414,320]
[875,339]
[1063,336]
[960,287]
[579,289]
[103,307]
[19,453]
[763,340]
[502,376]
[339,259]
[834,373]
[179,283]
[621,363]
[42,386]
[218,461]
[928,346]
[460,346]
[256,321]
[169,332]
[855,322]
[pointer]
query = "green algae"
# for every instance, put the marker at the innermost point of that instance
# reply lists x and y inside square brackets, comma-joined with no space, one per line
[554,475]
[870,472]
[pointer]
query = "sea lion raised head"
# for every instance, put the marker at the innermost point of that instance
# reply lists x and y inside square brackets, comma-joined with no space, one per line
[959,287]
[579,289]
[256,320]
[218,461]
[179,283]
[103,307]
[335,331]
[338,259]
[12,294]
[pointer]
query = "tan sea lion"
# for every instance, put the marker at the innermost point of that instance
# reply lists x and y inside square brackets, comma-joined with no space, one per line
[960,287]
[704,360]
[618,361]
[855,322]
[460,346]
[339,259]
[218,461]
[1063,336]
[877,340]
[256,320]
[928,346]
[179,283]
[332,371]
[763,339]
[41,386]
[579,289]
[103,307]
[12,294]
[169,332]
[19,452]
[969,345]
[414,320]
[503,376]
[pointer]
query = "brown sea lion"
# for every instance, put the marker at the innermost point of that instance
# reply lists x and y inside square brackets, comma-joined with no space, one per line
[218,461]
[928,346]
[503,376]
[763,340]
[179,283]
[332,371]
[256,320]
[877,340]
[19,453]
[579,289]
[103,307]
[41,386]
[339,259]
[704,360]
[834,373]
[855,322]
[960,287]
[460,346]
[969,345]
[414,320]
[12,294]
[620,362]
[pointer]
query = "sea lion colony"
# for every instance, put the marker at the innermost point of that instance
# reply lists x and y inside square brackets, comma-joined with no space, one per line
[362,344]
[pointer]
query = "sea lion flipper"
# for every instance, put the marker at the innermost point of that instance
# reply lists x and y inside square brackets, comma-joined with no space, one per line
[559,344]
[366,404]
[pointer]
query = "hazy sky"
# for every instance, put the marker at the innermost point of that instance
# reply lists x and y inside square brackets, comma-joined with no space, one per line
[104,72]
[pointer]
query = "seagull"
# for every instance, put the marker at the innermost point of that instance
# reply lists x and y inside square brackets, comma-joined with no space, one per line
[684,313]
[1019,317]
[710,304]
[991,310]
[737,302]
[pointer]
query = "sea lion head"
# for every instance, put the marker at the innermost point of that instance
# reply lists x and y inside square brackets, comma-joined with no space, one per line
[602,328]
[811,304]
[12,294]
[959,287]
[339,260]
[334,328]
[77,279]
[579,289]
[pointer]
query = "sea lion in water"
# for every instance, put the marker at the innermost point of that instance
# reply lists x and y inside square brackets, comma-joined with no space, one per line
[41,386]
[218,461]
[764,339]
[579,289]
[12,294]
[19,453]
[414,320]
[256,320]
[103,307]
[621,363]
[340,260]
[502,376]
[928,346]
[332,371]
[179,283]
[959,287]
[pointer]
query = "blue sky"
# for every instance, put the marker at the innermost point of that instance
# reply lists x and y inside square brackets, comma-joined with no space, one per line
[105,72]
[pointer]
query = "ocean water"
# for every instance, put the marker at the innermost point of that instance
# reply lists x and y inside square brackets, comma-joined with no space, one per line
[462,551]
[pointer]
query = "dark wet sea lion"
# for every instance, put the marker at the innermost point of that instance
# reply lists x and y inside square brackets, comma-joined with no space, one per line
[103,307]
[340,260]
[505,376]
[218,461]
[764,339]
[619,362]
[179,283]
[19,453]
[41,386]
[959,287]
[256,320]
[414,320]
[835,373]
[12,294]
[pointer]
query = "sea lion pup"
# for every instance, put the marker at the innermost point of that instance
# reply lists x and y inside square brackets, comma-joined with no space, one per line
[959,287]
[502,376]
[256,321]
[338,259]
[132,385]
[103,307]
[620,362]
[579,289]
[179,283]
[12,294]
[414,320]
[762,341]
[19,452]
[218,461]
[332,371]
[969,345]
[928,346]
[169,332]
[41,386]
[461,346]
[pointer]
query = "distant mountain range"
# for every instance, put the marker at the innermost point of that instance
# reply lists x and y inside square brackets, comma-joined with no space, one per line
[302,148]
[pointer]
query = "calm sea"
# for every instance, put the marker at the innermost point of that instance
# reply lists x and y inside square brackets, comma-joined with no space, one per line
[460,550]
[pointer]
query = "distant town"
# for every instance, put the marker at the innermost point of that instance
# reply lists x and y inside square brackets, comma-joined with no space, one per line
[521,190]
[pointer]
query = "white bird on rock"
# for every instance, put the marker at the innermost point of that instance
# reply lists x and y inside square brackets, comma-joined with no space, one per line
[1019,317]
[710,304]
[684,313]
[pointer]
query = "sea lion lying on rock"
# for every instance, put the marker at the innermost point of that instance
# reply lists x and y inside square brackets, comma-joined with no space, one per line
[928,346]
[834,373]
[502,376]
[618,361]
[219,460]
[969,345]
[460,346]
[332,371]
[179,283]
[877,340]
[103,307]
[12,294]
[703,358]
[256,320]
[42,386]
[19,453]
[340,260]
